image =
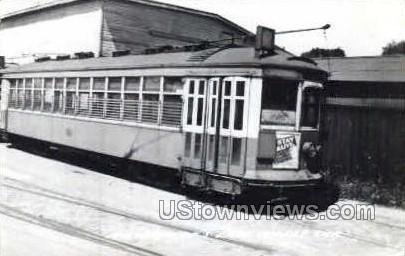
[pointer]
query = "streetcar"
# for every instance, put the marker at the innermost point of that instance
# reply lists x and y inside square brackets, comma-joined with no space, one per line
[225,117]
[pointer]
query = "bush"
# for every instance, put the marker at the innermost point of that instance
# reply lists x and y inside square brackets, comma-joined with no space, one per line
[394,48]
[321,53]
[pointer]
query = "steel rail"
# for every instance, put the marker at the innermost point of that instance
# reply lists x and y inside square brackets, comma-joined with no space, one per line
[37,190]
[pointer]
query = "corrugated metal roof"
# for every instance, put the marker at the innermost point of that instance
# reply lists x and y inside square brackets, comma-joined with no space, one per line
[230,57]
[367,69]
[144,2]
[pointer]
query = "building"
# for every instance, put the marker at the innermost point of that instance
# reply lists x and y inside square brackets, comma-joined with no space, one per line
[104,26]
[366,116]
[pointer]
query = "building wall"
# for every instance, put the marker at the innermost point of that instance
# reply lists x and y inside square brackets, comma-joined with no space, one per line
[365,125]
[73,28]
[136,27]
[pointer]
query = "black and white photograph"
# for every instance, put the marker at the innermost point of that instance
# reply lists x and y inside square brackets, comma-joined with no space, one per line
[202,127]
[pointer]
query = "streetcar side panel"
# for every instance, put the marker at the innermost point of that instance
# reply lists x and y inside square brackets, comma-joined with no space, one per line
[154,146]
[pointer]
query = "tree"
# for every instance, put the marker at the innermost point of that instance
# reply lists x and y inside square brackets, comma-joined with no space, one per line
[321,53]
[394,48]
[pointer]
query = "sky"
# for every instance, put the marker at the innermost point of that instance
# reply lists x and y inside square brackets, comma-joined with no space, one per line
[360,27]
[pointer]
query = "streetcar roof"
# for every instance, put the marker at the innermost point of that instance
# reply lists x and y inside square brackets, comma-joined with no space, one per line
[213,57]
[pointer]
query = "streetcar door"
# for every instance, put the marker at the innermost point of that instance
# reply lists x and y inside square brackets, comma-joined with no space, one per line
[232,127]
[4,87]
[215,125]
[194,121]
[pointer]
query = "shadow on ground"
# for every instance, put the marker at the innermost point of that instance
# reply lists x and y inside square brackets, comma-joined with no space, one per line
[157,177]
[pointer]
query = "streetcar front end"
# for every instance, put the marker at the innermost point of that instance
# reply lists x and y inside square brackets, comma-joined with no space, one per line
[289,144]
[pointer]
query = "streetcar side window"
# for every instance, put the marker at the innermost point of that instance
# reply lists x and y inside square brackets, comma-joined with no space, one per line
[113,107]
[37,94]
[28,93]
[311,100]
[151,83]
[71,86]
[132,84]
[20,93]
[173,85]
[84,96]
[131,98]
[152,99]
[48,94]
[279,102]
[13,93]
[172,100]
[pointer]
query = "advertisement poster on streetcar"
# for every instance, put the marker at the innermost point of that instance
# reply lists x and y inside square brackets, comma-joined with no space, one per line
[287,150]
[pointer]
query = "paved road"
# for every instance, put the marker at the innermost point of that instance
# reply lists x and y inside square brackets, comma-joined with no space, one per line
[48,207]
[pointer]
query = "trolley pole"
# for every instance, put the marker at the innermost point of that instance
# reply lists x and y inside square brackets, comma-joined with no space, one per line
[325,27]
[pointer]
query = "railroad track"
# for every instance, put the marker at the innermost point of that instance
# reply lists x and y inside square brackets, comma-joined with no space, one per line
[352,236]
[43,192]
[37,190]
[74,231]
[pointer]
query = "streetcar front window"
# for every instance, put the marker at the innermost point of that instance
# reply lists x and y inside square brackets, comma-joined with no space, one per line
[279,102]
[311,98]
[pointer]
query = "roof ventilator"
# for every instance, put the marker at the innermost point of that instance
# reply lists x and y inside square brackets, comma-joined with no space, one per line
[84,55]
[63,57]
[121,53]
[42,59]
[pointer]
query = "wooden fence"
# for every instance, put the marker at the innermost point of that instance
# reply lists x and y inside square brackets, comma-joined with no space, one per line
[366,138]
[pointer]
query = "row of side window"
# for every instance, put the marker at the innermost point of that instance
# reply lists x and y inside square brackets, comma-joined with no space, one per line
[155,100]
